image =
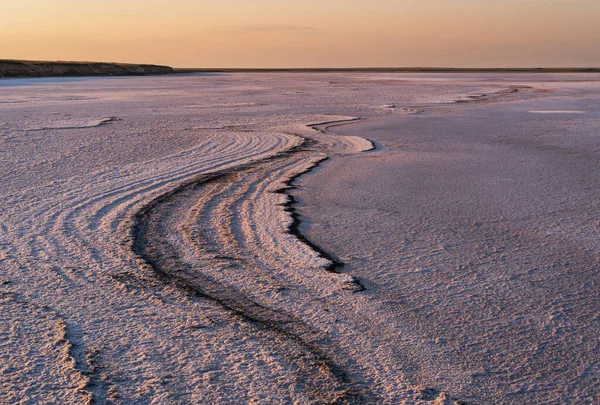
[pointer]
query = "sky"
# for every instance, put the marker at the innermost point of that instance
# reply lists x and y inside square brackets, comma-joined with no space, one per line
[305,33]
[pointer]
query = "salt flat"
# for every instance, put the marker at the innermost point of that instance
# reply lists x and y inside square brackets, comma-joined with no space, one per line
[160,241]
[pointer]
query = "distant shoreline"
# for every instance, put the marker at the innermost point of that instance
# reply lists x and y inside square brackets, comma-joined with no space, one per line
[389,70]
[30,69]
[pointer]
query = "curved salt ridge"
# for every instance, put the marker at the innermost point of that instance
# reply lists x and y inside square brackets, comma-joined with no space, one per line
[226,236]
[262,227]
[333,143]
[69,123]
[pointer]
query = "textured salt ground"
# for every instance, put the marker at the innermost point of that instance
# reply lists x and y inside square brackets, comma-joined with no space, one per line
[119,333]
[478,229]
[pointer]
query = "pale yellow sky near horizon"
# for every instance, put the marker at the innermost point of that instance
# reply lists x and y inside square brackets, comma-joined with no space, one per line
[308,33]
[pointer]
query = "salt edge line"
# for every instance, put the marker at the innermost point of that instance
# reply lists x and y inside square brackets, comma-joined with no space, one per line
[335,264]
[75,365]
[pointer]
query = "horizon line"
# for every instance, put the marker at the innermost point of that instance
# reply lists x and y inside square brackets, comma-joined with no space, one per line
[591,69]
[29,68]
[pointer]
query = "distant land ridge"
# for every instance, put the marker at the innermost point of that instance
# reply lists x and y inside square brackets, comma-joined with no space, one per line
[18,68]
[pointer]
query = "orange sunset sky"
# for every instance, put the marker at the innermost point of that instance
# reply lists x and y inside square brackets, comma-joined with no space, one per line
[307,33]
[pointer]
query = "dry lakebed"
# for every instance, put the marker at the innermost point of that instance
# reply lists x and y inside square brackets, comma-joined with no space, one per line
[301,238]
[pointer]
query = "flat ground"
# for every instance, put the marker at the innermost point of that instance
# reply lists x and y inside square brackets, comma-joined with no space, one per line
[477,229]
[181,239]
